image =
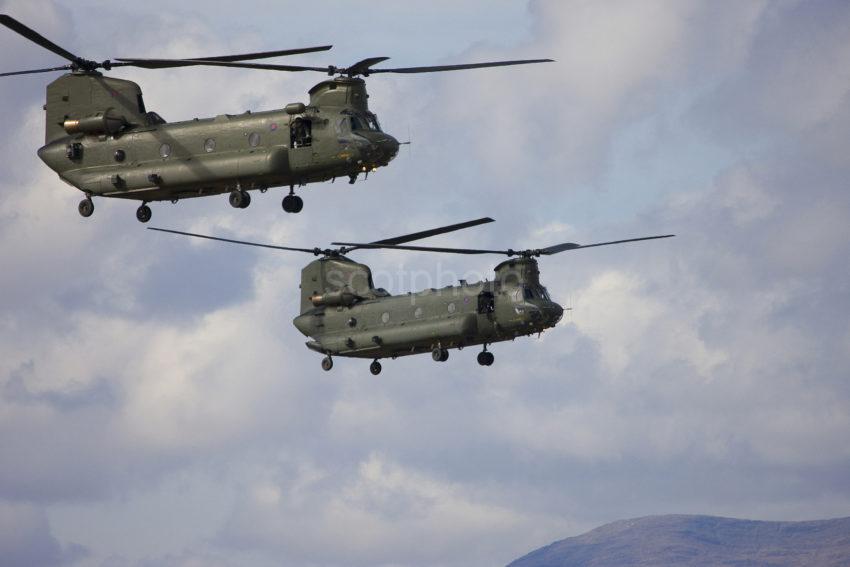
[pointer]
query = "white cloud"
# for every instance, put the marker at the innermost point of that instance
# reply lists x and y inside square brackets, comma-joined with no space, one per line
[383,513]
[25,538]
[701,372]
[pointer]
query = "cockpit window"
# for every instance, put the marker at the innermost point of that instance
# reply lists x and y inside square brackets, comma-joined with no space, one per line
[372,120]
[535,293]
[367,122]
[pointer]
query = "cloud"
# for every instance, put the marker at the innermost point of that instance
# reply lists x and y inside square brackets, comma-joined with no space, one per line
[373,515]
[157,382]
[25,539]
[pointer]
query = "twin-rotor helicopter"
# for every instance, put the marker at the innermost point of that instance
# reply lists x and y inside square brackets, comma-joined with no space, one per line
[344,314]
[101,139]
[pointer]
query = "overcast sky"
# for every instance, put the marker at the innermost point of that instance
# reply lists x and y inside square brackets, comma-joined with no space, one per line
[157,407]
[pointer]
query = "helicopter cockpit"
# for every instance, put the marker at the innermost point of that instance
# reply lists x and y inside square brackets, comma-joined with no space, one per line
[366,121]
[359,122]
[533,301]
[530,293]
[362,129]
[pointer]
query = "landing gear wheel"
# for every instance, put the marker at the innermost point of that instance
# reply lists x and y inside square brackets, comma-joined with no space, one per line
[239,199]
[327,363]
[86,207]
[297,204]
[375,367]
[143,213]
[440,354]
[485,358]
[292,204]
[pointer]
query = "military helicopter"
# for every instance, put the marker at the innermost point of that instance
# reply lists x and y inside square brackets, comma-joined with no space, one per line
[345,315]
[100,138]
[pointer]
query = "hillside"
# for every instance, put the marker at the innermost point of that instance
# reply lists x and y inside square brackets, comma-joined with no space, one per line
[704,541]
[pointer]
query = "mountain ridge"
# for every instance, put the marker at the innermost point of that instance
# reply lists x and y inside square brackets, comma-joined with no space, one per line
[706,541]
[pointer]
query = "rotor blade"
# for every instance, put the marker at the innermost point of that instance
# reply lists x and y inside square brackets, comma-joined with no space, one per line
[265,54]
[62,68]
[315,251]
[573,246]
[434,68]
[363,66]
[434,231]
[537,252]
[424,248]
[36,37]
[165,63]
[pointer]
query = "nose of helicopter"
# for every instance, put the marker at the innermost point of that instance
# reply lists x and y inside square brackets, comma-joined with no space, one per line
[553,313]
[386,148]
[372,151]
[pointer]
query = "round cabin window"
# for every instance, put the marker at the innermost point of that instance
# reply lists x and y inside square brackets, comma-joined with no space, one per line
[352,322]
[253,139]
[209,145]
[120,155]
[385,317]
[165,150]
[418,312]
[452,308]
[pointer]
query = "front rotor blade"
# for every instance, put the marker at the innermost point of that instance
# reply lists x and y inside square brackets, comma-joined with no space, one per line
[62,68]
[434,231]
[165,63]
[435,68]
[424,248]
[315,251]
[573,246]
[36,37]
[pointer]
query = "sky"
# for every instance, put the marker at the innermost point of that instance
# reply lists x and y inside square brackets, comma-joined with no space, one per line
[157,407]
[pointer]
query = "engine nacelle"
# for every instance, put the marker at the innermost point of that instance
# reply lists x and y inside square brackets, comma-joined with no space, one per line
[295,108]
[334,299]
[105,122]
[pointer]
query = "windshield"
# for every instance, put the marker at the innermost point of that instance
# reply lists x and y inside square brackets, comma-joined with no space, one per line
[367,122]
[372,121]
[535,293]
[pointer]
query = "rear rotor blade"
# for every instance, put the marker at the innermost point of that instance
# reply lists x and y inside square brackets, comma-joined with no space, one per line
[265,54]
[435,68]
[534,252]
[314,251]
[573,246]
[362,67]
[62,68]
[165,63]
[36,37]
[424,248]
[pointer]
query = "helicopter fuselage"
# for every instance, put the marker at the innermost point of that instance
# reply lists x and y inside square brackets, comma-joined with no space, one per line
[333,136]
[371,323]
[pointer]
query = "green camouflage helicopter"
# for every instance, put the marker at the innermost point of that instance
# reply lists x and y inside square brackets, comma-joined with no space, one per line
[344,314]
[101,139]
